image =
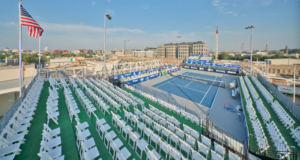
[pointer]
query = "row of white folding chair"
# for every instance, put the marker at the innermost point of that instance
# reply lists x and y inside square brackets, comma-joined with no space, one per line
[173,138]
[80,82]
[263,90]
[251,111]
[296,134]
[12,136]
[283,116]
[190,131]
[53,83]
[124,97]
[86,147]
[244,88]
[86,103]
[116,98]
[50,143]
[72,106]
[98,101]
[251,88]
[108,99]
[185,145]
[73,83]
[106,82]
[179,111]
[260,135]
[52,110]
[279,141]
[131,98]
[263,111]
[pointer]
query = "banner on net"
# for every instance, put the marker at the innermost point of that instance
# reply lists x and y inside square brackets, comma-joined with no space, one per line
[126,75]
[146,78]
[207,63]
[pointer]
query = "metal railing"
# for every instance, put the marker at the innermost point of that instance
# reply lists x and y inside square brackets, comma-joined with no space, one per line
[272,152]
[9,114]
[294,108]
[229,141]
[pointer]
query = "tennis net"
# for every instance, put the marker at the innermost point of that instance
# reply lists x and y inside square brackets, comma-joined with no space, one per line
[201,80]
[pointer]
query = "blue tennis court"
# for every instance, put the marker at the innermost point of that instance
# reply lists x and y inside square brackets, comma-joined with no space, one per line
[196,92]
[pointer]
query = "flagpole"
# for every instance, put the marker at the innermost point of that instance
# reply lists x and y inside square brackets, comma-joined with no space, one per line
[20,47]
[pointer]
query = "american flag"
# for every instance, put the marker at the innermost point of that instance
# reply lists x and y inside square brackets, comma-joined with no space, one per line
[34,29]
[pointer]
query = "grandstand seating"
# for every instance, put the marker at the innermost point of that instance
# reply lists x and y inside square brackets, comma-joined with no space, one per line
[13,135]
[263,90]
[278,139]
[283,116]
[251,88]
[244,88]
[146,129]
[263,111]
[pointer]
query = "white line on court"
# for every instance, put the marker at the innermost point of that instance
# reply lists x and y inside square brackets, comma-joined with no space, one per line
[188,84]
[165,83]
[184,87]
[215,96]
[206,92]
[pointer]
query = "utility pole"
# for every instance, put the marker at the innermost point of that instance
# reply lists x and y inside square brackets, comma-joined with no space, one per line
[242,46]
[178,37]
[109,18]
[124,43]
[217,36]
[251,42]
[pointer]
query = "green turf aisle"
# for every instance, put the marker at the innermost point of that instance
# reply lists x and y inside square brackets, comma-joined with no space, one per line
[253,142]
[67,131]
[168,112]
[31,147]
[284,132]
[92,128]
[108,117]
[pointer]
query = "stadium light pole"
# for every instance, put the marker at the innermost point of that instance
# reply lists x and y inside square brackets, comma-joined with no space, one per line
[109,18]
[178,37]
[251,27]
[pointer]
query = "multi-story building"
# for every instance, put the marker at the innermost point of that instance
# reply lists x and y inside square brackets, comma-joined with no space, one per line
[161,51]
[199,48]
[171,50]
[185,49]
[99,51]
[81,50]
[60,51]
[143,53]
[87,51]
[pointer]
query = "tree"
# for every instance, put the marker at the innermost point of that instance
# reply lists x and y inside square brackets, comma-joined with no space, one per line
[296,50]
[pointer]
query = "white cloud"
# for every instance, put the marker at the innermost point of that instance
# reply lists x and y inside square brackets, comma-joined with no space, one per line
[110,11]
[108,0]
[267,2]
[93,3]
[222,7]
[83,29]
[8,24]
[145,6]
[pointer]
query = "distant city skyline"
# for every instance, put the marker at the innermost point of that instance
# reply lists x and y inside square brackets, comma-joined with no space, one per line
[79,24]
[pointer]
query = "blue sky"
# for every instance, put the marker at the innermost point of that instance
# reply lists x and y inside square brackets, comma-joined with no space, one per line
[79,23]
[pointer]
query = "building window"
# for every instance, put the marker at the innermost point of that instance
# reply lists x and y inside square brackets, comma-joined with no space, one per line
[273,70]
[289,71]
[269,70]
[283,71]
[278,70]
